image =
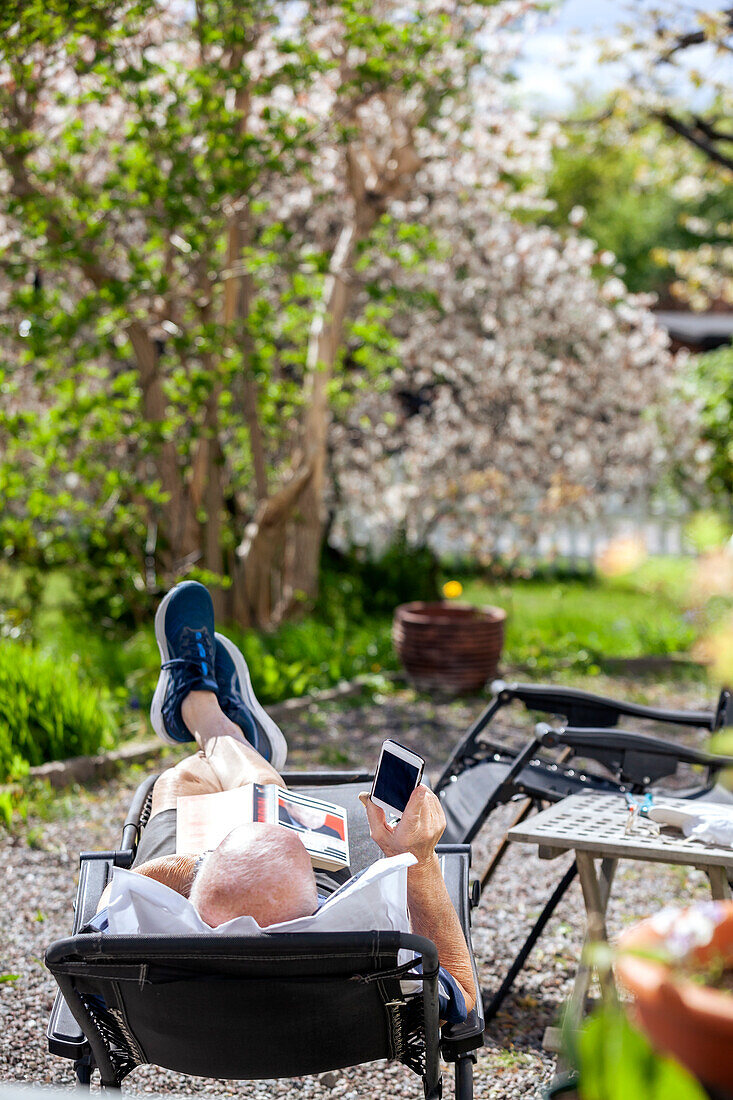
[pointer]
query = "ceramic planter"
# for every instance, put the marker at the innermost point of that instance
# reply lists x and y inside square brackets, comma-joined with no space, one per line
[448,647]
[691,1021]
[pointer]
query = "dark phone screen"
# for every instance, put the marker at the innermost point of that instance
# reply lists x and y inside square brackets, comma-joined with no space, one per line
[396,780]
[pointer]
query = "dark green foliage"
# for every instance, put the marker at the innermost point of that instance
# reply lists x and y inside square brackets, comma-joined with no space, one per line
[298,658]
[47,710]
[134,139]
[710,382]
[348,634]
[92,493]
[626,184]
[361,584]
[314,654]
[102,680]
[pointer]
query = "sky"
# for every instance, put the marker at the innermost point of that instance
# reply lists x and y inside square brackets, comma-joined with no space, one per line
[562,53]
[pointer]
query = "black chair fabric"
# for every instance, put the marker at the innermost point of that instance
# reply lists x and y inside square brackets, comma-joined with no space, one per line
[469,797]
[245,1007]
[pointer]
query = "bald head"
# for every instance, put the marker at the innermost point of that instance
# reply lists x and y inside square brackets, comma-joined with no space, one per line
[262,871]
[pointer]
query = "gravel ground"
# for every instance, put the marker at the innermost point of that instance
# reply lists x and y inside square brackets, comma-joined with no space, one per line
[39,865]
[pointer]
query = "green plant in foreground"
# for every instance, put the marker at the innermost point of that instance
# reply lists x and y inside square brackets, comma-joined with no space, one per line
[614,1059]
[616,1062]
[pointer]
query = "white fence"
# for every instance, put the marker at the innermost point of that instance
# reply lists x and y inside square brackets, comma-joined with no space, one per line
[661,535]
[577,541]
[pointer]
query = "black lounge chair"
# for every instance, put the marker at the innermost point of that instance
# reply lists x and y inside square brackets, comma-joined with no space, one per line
[250,1007]
[482,773]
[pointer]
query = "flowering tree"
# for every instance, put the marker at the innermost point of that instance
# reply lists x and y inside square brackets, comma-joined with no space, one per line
[188,193]
[638,194]
[522,392]
[525,379]
[222,224]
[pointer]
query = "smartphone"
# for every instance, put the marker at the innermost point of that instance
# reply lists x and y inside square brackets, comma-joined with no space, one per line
[398,772]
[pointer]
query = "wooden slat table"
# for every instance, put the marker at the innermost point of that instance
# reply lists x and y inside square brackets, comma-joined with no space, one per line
[593,826]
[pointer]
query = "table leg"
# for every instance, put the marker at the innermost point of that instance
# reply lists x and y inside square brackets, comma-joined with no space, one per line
[719,885]
[596,893]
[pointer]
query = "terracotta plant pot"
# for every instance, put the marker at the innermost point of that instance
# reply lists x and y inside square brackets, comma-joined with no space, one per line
[690,1021]
[448,647]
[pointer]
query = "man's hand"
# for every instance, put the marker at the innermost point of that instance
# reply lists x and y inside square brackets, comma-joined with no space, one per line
[418,830]
[431,910]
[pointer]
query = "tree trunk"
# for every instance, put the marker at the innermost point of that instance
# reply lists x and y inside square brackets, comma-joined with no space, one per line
[246,601]
[326,336]
[178,519]
[237,305]
[206,497]
[257,601]
[371,187]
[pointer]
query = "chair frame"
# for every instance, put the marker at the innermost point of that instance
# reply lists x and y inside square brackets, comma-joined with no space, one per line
[634,762]
[80,1031]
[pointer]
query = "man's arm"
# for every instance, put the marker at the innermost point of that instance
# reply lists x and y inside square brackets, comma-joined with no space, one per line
[431,910]
[174,871]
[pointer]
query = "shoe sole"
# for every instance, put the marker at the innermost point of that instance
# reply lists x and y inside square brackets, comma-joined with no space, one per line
[156,707]
[278,744]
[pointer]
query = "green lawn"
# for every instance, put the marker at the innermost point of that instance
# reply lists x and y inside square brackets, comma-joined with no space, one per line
[581,622]
[552,625]
[556,628]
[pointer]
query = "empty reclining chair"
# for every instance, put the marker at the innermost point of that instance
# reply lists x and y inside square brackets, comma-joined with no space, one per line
[483,773]
[249,1007]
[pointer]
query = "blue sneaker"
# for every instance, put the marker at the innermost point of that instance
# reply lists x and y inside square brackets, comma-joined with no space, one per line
[240,704]
[184,629]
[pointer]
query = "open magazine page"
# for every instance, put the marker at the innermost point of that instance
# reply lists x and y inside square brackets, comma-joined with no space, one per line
[203,820]
[322,826]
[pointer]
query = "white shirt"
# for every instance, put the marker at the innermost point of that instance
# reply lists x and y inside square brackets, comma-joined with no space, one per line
[375,898]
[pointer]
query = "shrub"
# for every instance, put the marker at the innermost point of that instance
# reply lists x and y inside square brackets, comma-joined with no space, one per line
[711,383]
[47,710]
[301,657]
[360,585]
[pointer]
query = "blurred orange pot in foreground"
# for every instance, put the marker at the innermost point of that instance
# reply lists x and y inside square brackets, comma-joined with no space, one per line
[664,962]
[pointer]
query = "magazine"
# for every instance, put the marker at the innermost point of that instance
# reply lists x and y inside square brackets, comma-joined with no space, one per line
[205,819]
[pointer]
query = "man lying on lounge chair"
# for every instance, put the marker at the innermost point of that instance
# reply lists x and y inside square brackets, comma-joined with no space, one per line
[205,695]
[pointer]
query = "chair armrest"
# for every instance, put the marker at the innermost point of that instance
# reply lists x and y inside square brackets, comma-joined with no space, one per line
[63,1033]
[95,872]
[455,863]
[584,709]
[459,1039]
[638,758]
[131,828]
[325,779]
